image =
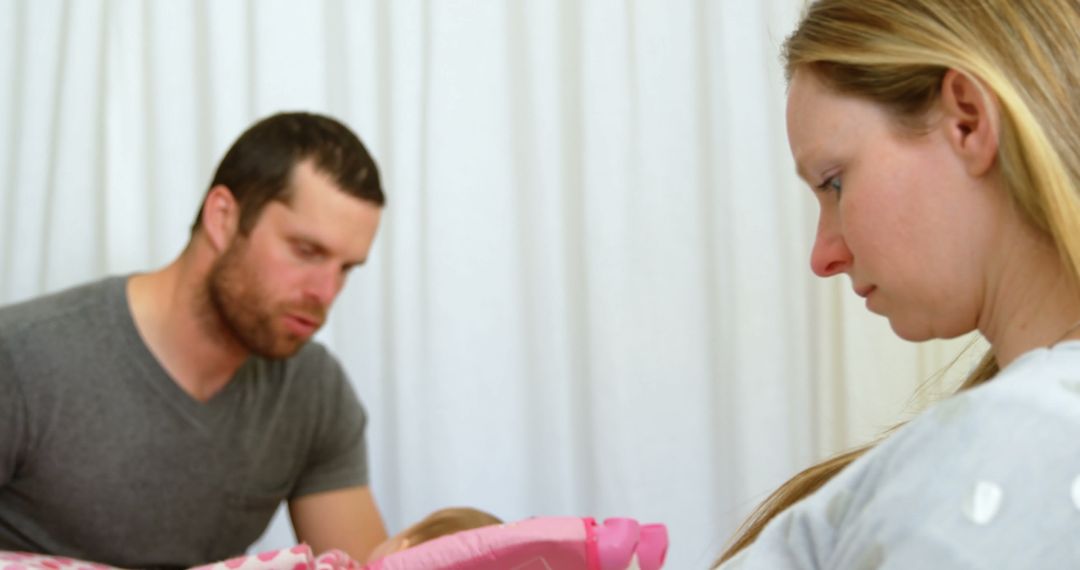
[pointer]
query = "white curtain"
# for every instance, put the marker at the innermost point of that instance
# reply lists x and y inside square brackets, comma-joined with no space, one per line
[591,293]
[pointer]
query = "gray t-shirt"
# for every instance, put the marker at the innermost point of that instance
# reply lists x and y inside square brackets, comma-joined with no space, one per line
[104,457]
[989,478]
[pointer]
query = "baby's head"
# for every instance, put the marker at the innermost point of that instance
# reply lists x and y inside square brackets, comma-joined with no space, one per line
[438,523]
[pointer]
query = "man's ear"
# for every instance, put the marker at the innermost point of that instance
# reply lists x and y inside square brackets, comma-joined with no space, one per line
[220,216]
[971,120]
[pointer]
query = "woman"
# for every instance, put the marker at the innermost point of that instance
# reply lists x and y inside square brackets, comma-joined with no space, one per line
[942,140]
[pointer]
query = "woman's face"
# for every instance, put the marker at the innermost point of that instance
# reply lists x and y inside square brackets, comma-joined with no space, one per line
[899,213]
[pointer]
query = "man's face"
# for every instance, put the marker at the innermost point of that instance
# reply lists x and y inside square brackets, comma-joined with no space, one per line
[272,289]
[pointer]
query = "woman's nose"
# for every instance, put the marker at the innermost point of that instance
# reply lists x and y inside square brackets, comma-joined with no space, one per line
[830,255]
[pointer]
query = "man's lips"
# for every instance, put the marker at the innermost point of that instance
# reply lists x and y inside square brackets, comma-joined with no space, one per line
[301,324]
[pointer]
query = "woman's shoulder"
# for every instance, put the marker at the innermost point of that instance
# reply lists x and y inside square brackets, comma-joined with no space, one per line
[990,476]
[987,478]
[1037,392]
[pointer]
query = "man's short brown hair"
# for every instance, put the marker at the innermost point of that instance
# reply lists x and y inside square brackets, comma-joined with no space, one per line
[258,166]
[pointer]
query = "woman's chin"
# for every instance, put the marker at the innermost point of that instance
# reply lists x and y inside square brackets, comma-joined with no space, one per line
[910,331]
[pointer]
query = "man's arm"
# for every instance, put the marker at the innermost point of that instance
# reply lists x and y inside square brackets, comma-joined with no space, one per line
[346,519]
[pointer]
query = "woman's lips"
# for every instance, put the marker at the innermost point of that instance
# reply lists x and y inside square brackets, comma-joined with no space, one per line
[864,292]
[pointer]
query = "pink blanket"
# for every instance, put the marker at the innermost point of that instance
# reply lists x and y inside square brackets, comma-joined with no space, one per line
[295,558]
[566,543]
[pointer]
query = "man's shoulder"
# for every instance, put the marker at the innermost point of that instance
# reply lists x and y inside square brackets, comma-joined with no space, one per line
[313,351]
[313,364]
[312,355]
[45,310]
[310,380]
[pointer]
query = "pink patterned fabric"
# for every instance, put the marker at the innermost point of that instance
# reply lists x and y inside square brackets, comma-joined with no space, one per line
[565,543]
[295,558]
[28,561]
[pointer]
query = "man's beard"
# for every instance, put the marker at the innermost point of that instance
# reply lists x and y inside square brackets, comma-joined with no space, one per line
[243,308]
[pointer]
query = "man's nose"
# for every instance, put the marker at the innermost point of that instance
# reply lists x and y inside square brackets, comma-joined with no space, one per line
[324,284]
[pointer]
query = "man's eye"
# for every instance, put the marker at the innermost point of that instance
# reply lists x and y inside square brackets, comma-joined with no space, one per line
[305,251]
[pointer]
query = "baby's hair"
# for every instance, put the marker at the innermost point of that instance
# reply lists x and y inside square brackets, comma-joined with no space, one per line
[448,521]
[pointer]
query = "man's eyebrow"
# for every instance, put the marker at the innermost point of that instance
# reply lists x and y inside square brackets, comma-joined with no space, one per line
[351,264]
[301,236]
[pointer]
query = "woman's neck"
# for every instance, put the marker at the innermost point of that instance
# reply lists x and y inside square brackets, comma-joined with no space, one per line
[1033,301]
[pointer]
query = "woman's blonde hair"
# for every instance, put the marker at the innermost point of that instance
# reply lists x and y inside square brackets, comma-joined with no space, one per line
[895,53]
[448,521]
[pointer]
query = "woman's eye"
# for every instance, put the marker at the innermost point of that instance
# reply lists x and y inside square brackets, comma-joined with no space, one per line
[831,183]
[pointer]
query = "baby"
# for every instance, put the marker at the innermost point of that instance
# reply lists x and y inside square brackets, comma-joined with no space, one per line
[437,524]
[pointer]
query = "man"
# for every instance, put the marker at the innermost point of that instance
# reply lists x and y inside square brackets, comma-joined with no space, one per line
[159,420]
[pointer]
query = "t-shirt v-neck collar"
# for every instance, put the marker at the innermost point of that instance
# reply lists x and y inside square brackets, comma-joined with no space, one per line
[204,415]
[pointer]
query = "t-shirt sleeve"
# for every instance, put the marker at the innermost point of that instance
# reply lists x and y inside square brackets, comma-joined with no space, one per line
[338,457]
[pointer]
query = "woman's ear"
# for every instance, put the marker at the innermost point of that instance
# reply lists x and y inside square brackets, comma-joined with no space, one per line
[220,216]
[971,120]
